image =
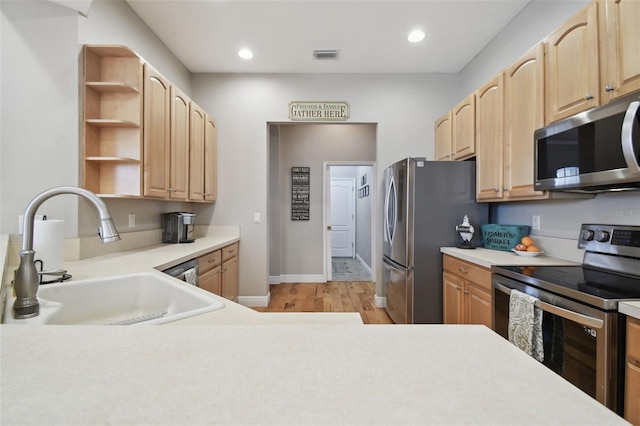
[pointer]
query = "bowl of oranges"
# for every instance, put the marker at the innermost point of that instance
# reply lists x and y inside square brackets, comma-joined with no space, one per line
[527,248]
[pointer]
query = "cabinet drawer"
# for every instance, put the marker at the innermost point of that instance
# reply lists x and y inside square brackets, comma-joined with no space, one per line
[468,271]
[209,261]
[633,338]
[229,251]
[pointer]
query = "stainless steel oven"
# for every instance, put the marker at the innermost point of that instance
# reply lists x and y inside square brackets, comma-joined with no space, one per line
[583,334]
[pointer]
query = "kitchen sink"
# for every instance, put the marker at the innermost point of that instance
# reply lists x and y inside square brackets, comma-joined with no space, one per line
[144,298]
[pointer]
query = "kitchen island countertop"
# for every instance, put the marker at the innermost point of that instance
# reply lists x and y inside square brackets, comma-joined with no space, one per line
[281,374]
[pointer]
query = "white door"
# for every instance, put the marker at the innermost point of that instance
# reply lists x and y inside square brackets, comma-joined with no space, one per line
[343,203]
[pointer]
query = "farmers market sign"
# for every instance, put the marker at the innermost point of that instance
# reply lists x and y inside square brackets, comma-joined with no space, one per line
[318,111]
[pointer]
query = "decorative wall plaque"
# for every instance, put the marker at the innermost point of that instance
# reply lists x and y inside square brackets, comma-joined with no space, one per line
[300,193]
[319,111]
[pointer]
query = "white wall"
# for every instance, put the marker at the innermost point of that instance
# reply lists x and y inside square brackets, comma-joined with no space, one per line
[364,216]
[40,117]
[40,132]
[404,106]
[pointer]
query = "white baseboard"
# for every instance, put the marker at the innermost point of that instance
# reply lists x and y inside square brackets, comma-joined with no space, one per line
[274,279]
[255,301]
[364,264]
[380,302]
[308,278]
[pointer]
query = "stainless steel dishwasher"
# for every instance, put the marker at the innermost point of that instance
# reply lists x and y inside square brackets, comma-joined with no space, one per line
[187,271]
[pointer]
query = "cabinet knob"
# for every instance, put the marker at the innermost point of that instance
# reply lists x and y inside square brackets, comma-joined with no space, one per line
[505,189]
[458,288]
[588,97]
[466,292]
[496,189]
[609,88]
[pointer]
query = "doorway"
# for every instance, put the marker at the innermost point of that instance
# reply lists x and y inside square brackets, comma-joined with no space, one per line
[297,250]
[348,220]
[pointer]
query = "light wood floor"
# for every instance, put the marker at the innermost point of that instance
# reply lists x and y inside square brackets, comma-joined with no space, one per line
[334,296]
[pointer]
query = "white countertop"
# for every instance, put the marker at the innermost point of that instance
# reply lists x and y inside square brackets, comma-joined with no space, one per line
[377,374]
[487,258]
[630,308]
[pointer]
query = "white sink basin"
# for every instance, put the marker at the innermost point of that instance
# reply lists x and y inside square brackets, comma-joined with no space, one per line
[145,298]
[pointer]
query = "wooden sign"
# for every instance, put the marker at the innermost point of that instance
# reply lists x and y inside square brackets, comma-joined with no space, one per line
[319,111]
[300,193]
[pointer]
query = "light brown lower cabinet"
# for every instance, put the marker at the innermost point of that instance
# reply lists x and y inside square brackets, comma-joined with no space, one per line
[632,373]
[466,293]
[218,272]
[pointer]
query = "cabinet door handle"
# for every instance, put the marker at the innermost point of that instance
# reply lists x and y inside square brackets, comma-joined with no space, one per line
[211,260]
[496,189]
[609,88]
[588,97]
[464,271]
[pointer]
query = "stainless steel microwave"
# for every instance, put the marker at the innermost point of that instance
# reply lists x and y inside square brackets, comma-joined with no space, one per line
[593,151]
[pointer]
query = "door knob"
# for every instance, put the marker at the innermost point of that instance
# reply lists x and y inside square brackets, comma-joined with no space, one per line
[328,228]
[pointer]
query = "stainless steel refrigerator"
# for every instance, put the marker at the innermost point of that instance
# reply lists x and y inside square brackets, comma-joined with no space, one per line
[424,201]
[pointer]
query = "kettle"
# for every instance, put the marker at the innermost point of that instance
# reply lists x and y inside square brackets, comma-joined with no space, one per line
[178,227]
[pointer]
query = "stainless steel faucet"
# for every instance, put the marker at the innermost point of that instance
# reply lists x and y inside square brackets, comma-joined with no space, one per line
[26,279]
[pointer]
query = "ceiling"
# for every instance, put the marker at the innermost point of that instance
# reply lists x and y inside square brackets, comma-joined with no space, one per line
[371,36]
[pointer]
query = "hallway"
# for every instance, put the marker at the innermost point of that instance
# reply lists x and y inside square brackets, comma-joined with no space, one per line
[349,269]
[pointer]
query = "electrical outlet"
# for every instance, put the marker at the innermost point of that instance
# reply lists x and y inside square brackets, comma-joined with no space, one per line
[535,221]
[132,220]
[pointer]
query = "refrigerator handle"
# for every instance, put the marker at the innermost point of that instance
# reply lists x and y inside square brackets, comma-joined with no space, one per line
[393,268]
[387,205]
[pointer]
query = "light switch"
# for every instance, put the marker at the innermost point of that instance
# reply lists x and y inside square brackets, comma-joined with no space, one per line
[256,218]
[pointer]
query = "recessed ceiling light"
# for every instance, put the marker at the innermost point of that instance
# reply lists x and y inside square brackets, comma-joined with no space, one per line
[416,36]
[245,54]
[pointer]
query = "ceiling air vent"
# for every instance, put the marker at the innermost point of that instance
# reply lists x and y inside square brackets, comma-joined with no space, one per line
[325,54]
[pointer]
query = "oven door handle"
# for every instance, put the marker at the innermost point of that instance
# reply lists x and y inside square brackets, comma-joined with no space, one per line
[571,316]
[561,312]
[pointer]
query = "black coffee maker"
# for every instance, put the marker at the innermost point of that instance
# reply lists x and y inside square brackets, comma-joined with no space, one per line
[177,227]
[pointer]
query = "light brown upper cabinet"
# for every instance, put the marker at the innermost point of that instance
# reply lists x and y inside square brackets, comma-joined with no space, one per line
[202,156]
[523,114]
[619,47]
[463,128]
[112,121]
[179,182]
[489,139]
[509,109]
[157,133]
[442,138]
[572,66]
[141,133]
[210,159]
[196,152]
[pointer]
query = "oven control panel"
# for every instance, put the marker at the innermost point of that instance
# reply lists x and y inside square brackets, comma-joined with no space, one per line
[611,239]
